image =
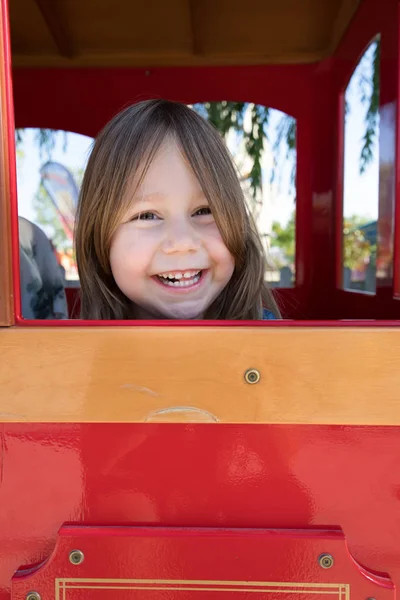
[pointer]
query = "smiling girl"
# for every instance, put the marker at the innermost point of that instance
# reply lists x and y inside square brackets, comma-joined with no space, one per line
[162,230]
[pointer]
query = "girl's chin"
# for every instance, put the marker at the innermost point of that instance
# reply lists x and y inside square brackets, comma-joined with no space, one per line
[151,313]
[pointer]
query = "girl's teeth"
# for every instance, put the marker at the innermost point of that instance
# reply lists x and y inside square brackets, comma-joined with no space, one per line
[186,275]
[179,283]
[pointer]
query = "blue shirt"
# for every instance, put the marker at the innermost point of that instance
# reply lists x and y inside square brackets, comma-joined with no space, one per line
[268,315]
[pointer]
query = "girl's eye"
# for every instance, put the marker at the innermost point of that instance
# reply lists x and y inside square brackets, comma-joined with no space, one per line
[145,216]
[202,211]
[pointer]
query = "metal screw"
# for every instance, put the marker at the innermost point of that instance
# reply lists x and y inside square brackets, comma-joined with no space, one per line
[325,561]
[32,596]
[76,557]
[252,376]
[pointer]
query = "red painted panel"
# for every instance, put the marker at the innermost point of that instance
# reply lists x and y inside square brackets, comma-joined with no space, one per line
[396,250]
[10,157]
[91,562]
[69,98]
[218,476]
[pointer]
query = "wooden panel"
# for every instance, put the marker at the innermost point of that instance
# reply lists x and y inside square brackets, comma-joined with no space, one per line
[150,27]
[56,26]
[139,374]
[6,307]
[29,32]
[270,28]
[177,32]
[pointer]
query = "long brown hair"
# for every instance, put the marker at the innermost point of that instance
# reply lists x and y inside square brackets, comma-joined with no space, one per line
[123,151]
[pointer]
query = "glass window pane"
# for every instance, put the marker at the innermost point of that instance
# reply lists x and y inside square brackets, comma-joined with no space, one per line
[361,174]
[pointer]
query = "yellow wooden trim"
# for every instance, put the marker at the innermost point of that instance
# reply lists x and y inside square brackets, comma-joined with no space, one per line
[138,374]
[6,298]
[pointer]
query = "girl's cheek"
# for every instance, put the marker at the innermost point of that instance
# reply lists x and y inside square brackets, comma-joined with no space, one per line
[211,232]
[214,239]
[132,238]
[134,250]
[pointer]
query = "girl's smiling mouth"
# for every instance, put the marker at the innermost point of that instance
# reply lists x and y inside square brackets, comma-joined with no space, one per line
[181,280]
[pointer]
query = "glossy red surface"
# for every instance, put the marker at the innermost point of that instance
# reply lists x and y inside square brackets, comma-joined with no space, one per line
[396,262]
[220,476]
[5,41]
[143,562]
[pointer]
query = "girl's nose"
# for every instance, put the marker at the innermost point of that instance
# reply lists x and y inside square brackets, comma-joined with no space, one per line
[181,237]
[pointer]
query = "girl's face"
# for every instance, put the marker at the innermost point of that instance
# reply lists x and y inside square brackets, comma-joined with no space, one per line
[167,255]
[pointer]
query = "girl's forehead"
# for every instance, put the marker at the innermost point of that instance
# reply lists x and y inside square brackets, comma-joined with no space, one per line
[169,152]
[168,171]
